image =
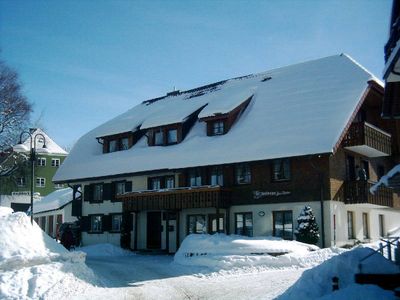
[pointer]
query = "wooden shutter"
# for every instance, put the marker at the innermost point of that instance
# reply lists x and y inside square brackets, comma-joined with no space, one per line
[88,193]
[85,223]
[113,191]
[107,191]
[106,222]
[128,186]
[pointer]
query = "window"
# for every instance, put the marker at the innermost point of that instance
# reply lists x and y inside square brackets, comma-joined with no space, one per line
[40,182]
[158,137]
[41,161]
[283,224]
[169,182]
[120,188]
[212,226]
[244,224]
[242,174]
[365,226]
[116,221]
[98,192]
[58,186]
[112,146]
[172,136]
[194,178]
[124,144]
[217,177]
[218,128]
[21,181]
[281,169]
[350,225]
[196,224]
[96,223]
[381,225]
[155,183]
[55,162]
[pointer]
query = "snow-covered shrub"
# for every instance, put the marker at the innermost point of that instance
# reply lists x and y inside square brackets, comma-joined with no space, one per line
[307,227]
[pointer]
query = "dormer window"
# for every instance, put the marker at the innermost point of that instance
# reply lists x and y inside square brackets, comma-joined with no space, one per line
[119,142]
[172,136]
[159,137]
[112,146]
[218,128]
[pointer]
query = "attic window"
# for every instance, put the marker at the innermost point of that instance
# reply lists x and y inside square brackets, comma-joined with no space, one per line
[119,142]
[218,127]
[266,78]
[159,137]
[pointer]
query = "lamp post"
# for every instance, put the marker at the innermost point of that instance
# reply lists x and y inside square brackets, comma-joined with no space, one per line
[32,157]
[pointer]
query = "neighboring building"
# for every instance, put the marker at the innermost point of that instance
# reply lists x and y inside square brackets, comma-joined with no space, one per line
[51,211]
[391,73]
[15,189]
[242,156]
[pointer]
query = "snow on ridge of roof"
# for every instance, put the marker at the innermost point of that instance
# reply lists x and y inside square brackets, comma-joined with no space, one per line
[51,146]
[302,110]
[53,201]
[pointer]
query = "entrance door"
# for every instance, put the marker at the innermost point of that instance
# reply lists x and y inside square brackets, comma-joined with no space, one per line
[154,230]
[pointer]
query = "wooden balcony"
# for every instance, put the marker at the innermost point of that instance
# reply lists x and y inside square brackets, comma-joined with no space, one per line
[368,140]
[176,199]
[359,192]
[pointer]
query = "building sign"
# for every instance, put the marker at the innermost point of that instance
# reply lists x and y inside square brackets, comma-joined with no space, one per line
[25,193]
[259,194]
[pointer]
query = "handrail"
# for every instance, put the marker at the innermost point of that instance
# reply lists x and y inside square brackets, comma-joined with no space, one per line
[379,250]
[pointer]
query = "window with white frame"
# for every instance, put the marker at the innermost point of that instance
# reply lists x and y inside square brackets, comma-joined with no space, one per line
[218,128]
[196,224]
[21,182]
[116,222]
[40,182]
[41,161]
[120,188]
[98,192]
[55,162]
[96,224]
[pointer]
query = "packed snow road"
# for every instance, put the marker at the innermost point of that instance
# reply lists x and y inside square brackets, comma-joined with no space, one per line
[157,277]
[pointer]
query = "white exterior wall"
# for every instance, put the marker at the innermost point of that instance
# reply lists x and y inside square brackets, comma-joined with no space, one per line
[391,220]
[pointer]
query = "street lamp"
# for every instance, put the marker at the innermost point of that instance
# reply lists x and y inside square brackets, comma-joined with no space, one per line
[32,157]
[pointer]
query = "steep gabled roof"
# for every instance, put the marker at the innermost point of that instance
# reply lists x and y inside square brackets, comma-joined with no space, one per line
[51,146]
[295,110]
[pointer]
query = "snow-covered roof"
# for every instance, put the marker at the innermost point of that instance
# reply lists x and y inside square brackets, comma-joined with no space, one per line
[51,146]
[53,201]
[302,109]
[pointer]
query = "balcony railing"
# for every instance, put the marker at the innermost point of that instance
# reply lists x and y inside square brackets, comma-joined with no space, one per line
[394,37]
[359,192]
[368,140]
[177,198]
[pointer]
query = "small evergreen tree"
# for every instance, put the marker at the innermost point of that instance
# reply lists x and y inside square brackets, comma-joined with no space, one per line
[307,227]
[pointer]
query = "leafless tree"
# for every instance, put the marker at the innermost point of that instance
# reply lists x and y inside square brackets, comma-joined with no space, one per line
[14,108]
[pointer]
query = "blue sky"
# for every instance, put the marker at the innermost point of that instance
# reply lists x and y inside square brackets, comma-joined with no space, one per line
[84,62]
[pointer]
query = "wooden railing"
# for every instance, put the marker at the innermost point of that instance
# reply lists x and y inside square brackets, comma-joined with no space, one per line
[176,199]
[359,192]
[363,133]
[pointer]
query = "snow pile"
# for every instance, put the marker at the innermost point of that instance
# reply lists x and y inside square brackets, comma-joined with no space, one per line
[32,263]
[222,252]
[317,282]
[101,250]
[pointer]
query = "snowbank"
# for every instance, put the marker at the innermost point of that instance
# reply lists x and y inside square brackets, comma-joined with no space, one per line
[32,264]
[360,292]
[317,282]
[101,250]
[222,252]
